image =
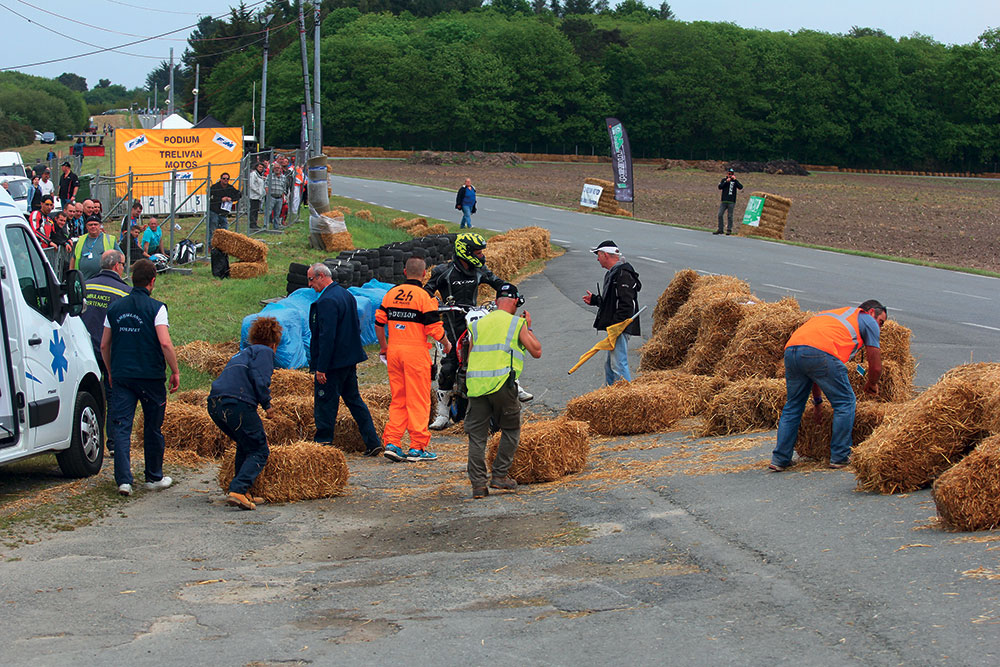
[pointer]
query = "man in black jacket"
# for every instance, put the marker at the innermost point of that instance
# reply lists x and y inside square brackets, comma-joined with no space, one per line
[222,202]
[729,185]
[619,301]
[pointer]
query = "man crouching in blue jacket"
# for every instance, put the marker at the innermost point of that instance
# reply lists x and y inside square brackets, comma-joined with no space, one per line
[232,405]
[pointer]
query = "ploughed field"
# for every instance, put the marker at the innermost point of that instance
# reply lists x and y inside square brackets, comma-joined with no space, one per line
[952,221]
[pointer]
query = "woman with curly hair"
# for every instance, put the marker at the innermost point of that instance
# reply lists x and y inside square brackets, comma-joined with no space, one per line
[244,384]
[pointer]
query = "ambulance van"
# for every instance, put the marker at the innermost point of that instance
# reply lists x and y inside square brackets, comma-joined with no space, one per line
[51,396]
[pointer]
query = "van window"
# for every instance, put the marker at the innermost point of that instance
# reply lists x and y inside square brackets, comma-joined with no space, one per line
[29,268]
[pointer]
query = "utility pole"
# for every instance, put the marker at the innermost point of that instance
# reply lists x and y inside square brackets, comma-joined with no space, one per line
[263,83]
[170,86]
[253,115]
[197,77]
[317,137]
[305,68]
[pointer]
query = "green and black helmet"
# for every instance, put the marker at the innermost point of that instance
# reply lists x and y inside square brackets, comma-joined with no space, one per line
[466,246]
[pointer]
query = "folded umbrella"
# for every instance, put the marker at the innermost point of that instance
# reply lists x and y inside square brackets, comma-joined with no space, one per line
[608,343]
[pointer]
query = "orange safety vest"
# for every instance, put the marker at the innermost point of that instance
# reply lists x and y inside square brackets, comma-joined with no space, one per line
[409,314]
[835,332]
[299,176]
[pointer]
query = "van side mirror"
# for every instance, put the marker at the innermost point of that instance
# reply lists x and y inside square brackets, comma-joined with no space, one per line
[73,289]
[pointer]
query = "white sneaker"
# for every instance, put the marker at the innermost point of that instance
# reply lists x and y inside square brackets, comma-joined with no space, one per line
[125,489]
[523,395]
[159,486]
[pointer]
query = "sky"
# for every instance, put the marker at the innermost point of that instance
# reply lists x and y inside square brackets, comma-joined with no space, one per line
[37,39]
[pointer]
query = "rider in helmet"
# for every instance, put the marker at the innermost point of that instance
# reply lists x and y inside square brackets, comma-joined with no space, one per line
[459,281]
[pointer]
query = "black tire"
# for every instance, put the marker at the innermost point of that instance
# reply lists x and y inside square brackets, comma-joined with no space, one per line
[299,269]
[298,279]
[387,261]
[291,287]
[86,448]
[384,274]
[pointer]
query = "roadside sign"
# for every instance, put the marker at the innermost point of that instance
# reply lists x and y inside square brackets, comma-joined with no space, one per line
[755,206]
[591,195]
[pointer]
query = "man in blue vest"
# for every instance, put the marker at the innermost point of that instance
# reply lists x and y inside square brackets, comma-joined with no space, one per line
[104,289]
[334,354]
[496,358]
[135,346]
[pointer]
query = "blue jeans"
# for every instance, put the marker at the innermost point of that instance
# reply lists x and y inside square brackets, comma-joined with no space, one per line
[466,217]
[342,383]
[152,394]
[272,212]
[240,421]
[805,365]
[616,365]
[216,221]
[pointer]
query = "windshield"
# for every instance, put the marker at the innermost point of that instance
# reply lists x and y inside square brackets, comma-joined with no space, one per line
[18,189]
[12,170]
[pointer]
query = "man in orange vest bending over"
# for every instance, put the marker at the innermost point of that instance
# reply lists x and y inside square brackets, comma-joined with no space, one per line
[815,358]
[407,316]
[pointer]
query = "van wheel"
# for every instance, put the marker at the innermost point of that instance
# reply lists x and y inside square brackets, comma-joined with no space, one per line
[86,449]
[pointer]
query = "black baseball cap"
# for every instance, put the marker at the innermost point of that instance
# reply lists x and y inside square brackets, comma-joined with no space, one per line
[65,164]
[508,291]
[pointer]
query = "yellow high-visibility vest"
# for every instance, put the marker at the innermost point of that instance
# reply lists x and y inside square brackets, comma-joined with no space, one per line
[496,352]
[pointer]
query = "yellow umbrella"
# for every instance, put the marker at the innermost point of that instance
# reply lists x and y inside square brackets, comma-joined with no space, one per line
[608,343]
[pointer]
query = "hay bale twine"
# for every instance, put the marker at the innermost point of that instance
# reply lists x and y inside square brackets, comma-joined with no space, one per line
[814,439]
[673,297]
[966,494]
[752,404]
[695,391]
[757,348]
[928,434]
[237,245]
[548,450]
[625,408]
[296,471]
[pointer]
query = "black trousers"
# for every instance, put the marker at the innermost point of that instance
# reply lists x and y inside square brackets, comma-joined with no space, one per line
[342,383]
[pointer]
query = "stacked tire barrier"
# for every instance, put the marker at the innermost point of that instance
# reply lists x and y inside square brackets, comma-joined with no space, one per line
[384,264]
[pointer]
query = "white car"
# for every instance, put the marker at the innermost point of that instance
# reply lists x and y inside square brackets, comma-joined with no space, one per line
[17,188]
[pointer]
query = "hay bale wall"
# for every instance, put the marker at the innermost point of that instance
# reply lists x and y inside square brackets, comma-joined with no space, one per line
[547,451]
[297,471]
[625,408]
[239,246]
[966,494]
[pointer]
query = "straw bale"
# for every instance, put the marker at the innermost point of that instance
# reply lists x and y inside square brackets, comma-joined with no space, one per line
[414,222]
[674,297]
[536,239]
[752,404]
[720,317]
[893,386]
[894,345]
[991,411]
[289,382]
[244,270]
[364,214]
[376,395]
[193,397]
[419,231]
[814,439]
[187,427]
[344,210]
[758,344]
[337,242]
[777,200]
[346,435]
[298,410]
[625,408]
[966,494]
[203,356]
[280,430]
[397,222]
[240,246]
[297,471]
[695,391]
[547,450]
[928,434]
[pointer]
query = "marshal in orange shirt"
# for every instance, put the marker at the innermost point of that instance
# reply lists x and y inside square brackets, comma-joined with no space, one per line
[409,315]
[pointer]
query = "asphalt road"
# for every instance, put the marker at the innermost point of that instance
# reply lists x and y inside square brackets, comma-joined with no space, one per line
[954,316]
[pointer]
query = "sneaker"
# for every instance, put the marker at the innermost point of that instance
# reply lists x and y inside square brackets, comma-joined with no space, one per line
[774,467]
[125,489]
[420,455]
[838,466]
[505,483]
[480,492]
[240,500]
[374,451]
[160,485]
[256,500]
[394,453]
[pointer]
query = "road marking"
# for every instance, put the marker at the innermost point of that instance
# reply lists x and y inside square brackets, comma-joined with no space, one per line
[706,273]
[981,326]
[561,241]
[601,229]
[491,229]
[971,296]
[789,289]
[801,266]
[690,245]
[491,210]
[539,219]
[650,259]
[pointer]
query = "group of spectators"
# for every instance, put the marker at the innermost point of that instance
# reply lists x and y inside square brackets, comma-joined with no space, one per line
[276,188]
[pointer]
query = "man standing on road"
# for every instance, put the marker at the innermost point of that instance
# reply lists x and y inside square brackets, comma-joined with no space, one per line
[729,185]
[407,316]
[68,185]
[815,358]
[103,290]
[465,201]
[257,191]
[334,355]
[618,302]
[496,358]
[223,198]
[135,346]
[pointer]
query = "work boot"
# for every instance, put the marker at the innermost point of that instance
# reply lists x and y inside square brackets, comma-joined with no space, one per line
[443,412]
[522,395]
[505,483]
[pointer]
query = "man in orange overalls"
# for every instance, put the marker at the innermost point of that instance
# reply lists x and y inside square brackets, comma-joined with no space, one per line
[407,316]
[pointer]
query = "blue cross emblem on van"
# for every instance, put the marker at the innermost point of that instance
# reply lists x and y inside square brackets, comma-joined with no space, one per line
[60,364]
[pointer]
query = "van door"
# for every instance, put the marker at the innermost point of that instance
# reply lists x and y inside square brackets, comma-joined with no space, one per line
[44,349]
[9,427]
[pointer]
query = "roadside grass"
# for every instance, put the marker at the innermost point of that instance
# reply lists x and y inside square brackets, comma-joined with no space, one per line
[36,152]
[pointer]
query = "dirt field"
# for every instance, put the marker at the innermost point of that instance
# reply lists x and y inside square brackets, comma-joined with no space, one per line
[944,220]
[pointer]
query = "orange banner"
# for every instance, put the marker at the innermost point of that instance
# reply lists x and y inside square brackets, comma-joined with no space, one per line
[188,151]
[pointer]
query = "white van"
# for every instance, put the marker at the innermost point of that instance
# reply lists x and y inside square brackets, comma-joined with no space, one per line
[51,396]
[11,164]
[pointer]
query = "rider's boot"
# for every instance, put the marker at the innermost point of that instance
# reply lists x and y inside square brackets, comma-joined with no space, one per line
[443,413]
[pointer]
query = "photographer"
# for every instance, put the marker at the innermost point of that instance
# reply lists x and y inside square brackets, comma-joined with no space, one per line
[729,185]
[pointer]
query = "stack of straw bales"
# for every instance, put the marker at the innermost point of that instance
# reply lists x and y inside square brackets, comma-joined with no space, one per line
[696,391]
[251,253]
[508,253]
[814,439]
[207,357]
[627,408]
[675,296]
[419,231]
[757,348]
[752,404]
[928,434]
[547,451]
[966,494]
[772,218]
[339,240]
[296,471]
[607,202]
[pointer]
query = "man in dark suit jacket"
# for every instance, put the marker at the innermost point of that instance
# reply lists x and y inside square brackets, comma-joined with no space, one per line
[334,354]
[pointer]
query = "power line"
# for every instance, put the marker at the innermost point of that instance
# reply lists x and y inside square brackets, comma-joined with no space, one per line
[150,9]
